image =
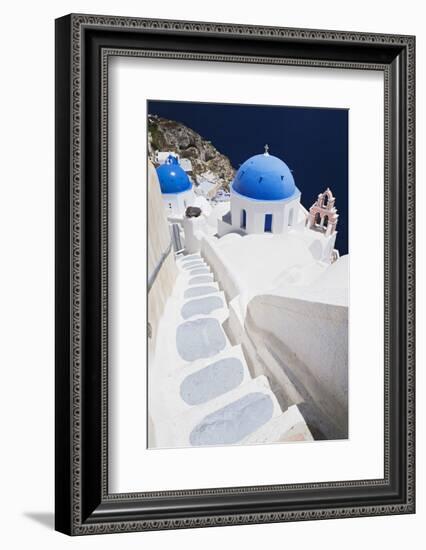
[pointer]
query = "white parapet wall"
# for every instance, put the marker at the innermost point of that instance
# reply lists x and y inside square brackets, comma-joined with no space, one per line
[226,277]
[302,346]
[162,271]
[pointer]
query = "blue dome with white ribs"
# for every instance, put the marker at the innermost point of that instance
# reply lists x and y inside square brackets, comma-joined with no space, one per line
[173,179]
[264,178]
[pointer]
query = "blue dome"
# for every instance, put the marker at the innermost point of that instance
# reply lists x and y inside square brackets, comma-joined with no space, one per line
[264,178]
[173,179]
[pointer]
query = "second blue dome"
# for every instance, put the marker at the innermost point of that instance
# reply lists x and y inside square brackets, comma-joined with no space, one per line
[173,178]
[264,177]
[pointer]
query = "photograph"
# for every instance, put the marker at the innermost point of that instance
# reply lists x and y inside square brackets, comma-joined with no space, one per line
[247,274]
[210,259]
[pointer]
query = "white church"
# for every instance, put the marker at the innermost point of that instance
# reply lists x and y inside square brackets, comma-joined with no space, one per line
[252,301]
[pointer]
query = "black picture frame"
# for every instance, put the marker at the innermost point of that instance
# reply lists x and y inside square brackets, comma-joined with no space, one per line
[83,46]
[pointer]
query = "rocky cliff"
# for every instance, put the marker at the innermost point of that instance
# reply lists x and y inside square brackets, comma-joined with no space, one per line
[208,164]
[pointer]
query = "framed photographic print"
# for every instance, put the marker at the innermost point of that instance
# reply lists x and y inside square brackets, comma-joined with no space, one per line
[234,274]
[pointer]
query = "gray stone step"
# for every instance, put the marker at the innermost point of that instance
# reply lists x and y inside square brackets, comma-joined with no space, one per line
[201,338]
[200,270]
[193,384]
[225,420]
[201,290]
[212,306]
[189,258]
[188,266]
[196,280]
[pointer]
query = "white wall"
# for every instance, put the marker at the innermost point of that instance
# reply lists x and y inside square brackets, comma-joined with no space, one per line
[26,301]
[256,211]
[176,203]
[308,339]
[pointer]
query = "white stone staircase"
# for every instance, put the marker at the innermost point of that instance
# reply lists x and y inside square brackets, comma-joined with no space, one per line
[201,391]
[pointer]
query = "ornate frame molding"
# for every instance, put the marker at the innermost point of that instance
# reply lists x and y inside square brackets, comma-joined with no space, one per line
[85,508]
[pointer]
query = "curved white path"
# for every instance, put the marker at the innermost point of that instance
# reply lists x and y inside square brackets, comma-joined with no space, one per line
[200,388]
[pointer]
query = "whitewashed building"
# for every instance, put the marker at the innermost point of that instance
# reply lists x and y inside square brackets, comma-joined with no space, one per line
[264,198]
[160,157]
[176,187]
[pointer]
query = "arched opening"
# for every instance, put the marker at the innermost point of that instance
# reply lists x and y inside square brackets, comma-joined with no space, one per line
[318,218]
[325,200]
[290,217]
[268,223]
[243,220]
[325,223]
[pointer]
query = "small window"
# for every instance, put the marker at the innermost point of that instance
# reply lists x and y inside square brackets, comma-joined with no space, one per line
[243,222]
[268,223]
